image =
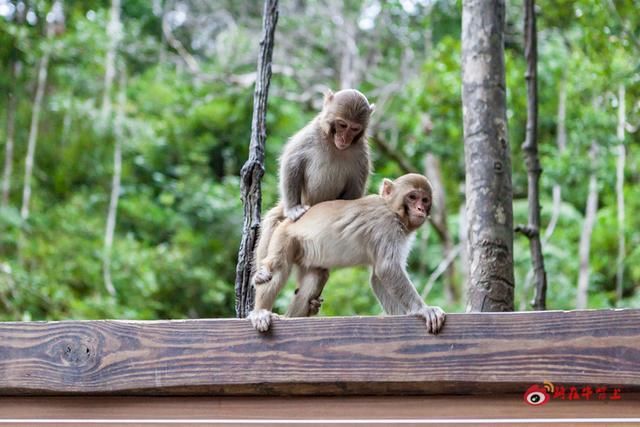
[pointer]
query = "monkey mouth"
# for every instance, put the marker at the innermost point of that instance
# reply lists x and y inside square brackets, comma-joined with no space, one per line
[341,145]
[418,219]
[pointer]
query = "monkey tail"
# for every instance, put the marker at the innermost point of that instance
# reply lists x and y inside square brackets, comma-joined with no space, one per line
[271,220]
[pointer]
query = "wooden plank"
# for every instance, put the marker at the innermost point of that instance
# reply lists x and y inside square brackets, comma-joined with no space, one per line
[228,410]
[475,353]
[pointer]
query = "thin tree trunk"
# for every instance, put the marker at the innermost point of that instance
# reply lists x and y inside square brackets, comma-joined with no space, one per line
[439,215]
[113,33]
[622,118]
[55,25]
[33,133]
[115,184]
[487,157]
[349,54]
[463,238]
[530,149]
[16,66]
[561,141]
[585,238]
[253,170]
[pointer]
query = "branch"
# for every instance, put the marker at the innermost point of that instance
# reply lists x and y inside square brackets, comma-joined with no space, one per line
[253,169]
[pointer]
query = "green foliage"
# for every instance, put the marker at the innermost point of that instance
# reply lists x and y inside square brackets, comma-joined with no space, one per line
[186,136]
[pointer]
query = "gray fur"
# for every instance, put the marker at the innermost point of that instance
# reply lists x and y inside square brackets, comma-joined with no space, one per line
[313,170]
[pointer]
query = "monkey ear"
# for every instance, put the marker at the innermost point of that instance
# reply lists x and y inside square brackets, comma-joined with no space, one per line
[372,109]
[328,96]
[386,187]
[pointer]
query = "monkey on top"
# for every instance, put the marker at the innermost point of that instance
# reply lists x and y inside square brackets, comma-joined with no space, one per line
[328,159]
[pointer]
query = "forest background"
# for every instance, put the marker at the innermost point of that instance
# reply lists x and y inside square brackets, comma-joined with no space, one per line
[125,126]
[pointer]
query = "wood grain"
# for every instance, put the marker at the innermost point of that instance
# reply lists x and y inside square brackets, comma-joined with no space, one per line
[474,354]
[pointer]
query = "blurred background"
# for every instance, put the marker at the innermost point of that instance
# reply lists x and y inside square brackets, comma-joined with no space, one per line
[148,104]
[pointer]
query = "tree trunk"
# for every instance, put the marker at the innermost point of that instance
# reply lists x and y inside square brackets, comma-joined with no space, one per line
[622,118]
[585,238]
[55,25]
[530,149]
[439,216]
[349,54]
[33,133]
[487,157]
[561,141]
[115,184]
[113,33]
[253,169]
[16,66]
[463,238]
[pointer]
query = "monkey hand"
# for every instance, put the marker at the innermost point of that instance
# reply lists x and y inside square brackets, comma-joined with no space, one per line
[434,318]
[314,306]
[295,212]
[261,319]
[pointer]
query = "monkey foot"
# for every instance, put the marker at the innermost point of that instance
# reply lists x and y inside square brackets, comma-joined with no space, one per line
[434,318]
[262,276]
[260,319]
[295,212]
[314,306]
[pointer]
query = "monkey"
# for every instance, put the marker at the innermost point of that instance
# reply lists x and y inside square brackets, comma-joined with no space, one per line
[376,230]
[328,159]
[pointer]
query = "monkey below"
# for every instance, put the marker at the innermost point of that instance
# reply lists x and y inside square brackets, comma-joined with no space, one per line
[376,230]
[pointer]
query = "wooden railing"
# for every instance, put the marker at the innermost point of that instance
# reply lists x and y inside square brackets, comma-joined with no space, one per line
[474,354]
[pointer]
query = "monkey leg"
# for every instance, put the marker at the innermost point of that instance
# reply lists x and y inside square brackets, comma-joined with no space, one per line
[277,267]
[271,220]
[306,301]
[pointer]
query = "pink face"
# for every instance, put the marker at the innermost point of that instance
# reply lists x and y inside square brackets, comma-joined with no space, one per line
[346,133]
[418,205]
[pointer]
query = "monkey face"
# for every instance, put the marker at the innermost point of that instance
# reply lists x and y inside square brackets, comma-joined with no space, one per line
[346,132]
[417,204]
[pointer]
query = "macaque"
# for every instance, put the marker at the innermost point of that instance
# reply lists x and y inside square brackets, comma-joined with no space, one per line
[376,230]
[328,159]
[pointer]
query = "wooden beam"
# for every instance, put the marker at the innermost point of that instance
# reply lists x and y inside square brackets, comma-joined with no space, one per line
[79,410]
[474,354]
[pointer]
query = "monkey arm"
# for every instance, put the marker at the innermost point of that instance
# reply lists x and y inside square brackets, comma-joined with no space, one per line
[398,296]
[394,289]
[357,183]
[292,181]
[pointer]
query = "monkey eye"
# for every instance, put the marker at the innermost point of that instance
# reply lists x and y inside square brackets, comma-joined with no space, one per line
[425,201]
[412,197]
[341,124]
[356,128]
